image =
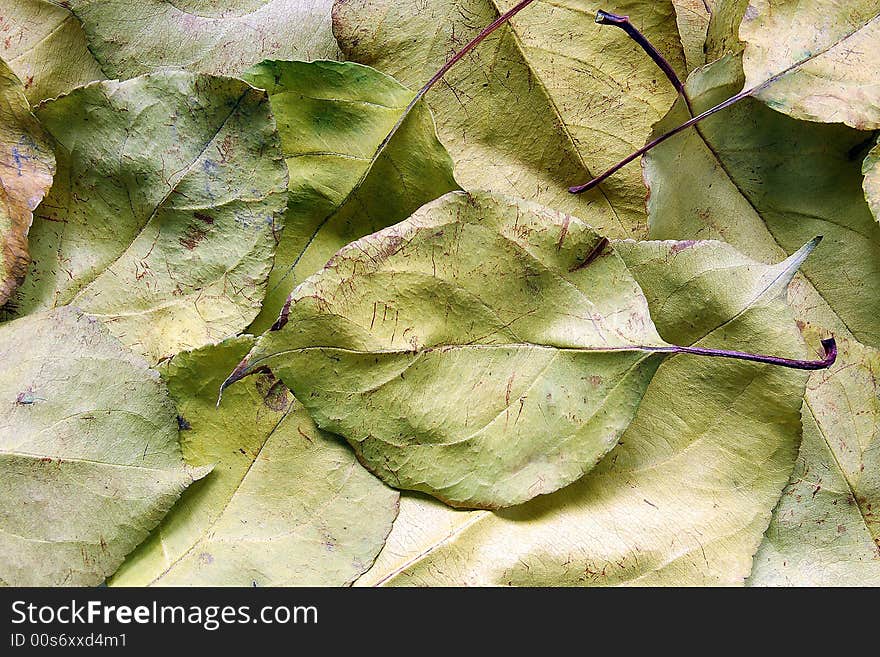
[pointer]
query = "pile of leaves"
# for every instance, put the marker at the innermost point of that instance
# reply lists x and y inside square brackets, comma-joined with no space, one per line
[449,354]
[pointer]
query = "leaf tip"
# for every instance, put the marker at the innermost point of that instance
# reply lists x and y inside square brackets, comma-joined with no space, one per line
[237,374]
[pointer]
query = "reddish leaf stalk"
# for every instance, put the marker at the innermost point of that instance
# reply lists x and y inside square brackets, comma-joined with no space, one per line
[828,345]
[745,93]
[623,22]
[659,140]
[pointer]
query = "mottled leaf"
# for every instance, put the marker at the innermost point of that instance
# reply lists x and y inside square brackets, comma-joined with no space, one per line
[26,169]
[686,495]
[224,38]
[46,47]
[286,504]
[871,184]
[540,103]
[163,218]
[89,458]
[332,118]
[830,47]
[765,182]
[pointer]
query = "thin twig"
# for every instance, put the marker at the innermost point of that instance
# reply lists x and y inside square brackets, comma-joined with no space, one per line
[623,22]
[659,140]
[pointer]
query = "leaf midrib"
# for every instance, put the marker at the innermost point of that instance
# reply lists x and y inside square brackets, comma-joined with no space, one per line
[552,102]
[219,515]
[843,472]
[161,204]
[480,515]
[66,459]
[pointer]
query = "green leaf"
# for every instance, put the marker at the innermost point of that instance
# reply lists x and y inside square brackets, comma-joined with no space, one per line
[476,351]
[225,38]
[345,182]
[765,182]
[485,351]
[871,184]
[89,458]
[686,495]
[26,169]
[164,215]
[46,47]
[830,48]
[286,504]
[539,104]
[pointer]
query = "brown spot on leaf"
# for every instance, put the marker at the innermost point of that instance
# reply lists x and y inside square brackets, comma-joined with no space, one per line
[562,233]
[194,234]
[274,393]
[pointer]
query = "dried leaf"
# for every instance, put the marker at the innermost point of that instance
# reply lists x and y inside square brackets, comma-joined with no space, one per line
[225,38]
[164,215]
[821,533]
[46,47]
[686,495]
[333,118]
[765,182]
[485,351]
[722,37]
[89,458]
[472,352]
[830,47]
[286,504]
[543,101]
[26,169]
[693,17]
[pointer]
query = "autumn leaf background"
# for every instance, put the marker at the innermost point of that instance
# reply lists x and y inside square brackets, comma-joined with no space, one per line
[439,365]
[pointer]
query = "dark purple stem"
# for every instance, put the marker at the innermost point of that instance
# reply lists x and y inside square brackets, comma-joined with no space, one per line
[828,344]
[623,22]
[745,93]
[659,140]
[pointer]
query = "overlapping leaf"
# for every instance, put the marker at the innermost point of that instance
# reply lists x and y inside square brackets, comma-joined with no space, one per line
[686,495]
[332,119]
[163,218]
[693,17]
[765,183]
[871,184]
[26,169]
[830,49]
[540,103]
[286,504]
[824,531]
[482,351]
[46,47]
[224,38]
[89,458]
